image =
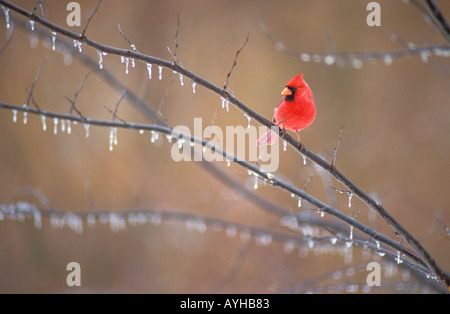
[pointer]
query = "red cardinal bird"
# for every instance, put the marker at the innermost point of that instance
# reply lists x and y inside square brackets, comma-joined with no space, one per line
[295,112]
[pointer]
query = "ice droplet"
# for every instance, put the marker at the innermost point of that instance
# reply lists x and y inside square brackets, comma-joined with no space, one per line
[149,70]
[329,60]
[193,86]
[86,127]
[181,79]
[160,69]
[305,57]
[231,231]
[55,125]
[44,125]
[387,59]
[53,40]
[264,239]
[100,59]
[6,11]
[14,111]
[32,25]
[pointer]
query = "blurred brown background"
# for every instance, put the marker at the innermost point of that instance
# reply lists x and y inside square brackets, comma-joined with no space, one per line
[395,145]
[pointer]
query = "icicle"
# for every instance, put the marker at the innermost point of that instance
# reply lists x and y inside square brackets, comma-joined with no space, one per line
[100,59]
[53,40]
[55,125]
[284,145]
[399,259]
[299,203]
[169,138]
[351,233]
[350,195]
[76,44]
[115,136]
[193,86]
[225,104]
[149,70]
[63,126]
[181,80]
[141,131]
[127,62]
[122,59]
[69,129]
[44,125]
[255,185]
[228,163]
[248,120]
[160,68]
[154,136]
[14,115]
[111,138]
[86,127]
[37,219]
[6,11]
[304,159]
[133,63]
[32,25]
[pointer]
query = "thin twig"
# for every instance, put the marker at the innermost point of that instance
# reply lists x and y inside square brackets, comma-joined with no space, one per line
[30,93]
[89,20]
[235,62]
[338,143]
[440,18]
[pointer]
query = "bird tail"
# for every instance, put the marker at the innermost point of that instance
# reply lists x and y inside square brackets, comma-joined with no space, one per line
[268,138]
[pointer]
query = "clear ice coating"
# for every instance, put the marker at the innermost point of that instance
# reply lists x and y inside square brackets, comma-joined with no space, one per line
[149,70]
[100,59]
[6,11]
[53,40]
[160,68]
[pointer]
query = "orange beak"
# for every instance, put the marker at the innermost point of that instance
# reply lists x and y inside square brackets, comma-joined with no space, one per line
[286,91]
